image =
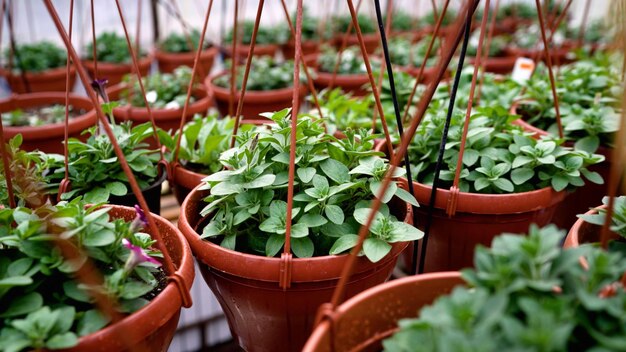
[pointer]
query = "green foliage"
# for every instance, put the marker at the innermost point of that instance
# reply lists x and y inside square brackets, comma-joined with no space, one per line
[265,74]
[499,157]
[111,47]
[27,170]
[402,51]
[163,90]
[526,294]
[351,61]
[95,172]
[402,22]
[45,115]
[265,35]
[618,222]
[41,304]
[335,180]
[310,25]
[203,140]
[339,24]
[588,91]
[429,19]
[37,57]
[519,9]
[177,42]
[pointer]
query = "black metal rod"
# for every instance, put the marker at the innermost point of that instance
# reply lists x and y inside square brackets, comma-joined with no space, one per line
[444,139]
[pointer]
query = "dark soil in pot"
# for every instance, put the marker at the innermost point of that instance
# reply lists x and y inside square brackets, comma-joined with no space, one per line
[261,315]
[52,80]
[49,137]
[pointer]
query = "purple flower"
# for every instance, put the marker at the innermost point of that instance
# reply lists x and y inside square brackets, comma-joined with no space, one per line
[140,220]
[99,85]
[137,256]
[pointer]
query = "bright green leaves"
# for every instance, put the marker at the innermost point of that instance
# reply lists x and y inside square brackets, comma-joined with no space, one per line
[335,170]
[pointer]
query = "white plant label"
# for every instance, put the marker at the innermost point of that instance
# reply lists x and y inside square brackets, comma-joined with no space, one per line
[523,69]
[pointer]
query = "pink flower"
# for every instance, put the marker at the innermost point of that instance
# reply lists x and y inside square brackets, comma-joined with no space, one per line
[137,256]
[140,220]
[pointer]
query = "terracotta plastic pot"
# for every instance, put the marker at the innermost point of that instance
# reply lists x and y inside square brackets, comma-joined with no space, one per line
[261,315]
[371,41]
[362,322]
[583,232]
[166,119]
[168,62]
[244,49]
[152,327]
[428,75]
[52,80]
[478,219]
[348,83]
[115,72]
[48,138]
[152,194]
[255,102]
[560,56]
[499,65]
[308,47]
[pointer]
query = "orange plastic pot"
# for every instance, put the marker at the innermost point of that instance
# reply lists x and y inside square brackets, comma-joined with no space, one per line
[168,62]
[499,64]
[115,72]
[583,232]
[244,49]
[52,80]
[560,55]
[254,102]
[362,322]
[166,119]
[371,41]
[48,138]
[261,315]
[478,219]
[309,47]
[428,75]
[348,83]
[152,327]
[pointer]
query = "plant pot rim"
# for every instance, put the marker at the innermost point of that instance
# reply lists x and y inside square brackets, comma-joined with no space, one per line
[51,73]
[229,261]
[320,332]
[140,114]
[573,238]
[145,60]
[153,311]
[252,96]
[162,55]
[75,125]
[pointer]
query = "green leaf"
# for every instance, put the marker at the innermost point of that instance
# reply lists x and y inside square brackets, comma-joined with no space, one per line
[60,341]
[335,170]
[481,183]
[272,225]
[229,242]
[470,157]
[589,144]
[302,247]
[344,243]
[299,230]
[592,176]
[260,182]
[22,305]
[312,220]
[306,174]
[226,188]
[406,196]
[15,281]
[401,232]
[334,213]
[97,195]
[389,192]
[116,188]
[91,322]
[273,245]
[135,289]
[519,176]
[320,183]
[559,182]
[375,249]
[504,184]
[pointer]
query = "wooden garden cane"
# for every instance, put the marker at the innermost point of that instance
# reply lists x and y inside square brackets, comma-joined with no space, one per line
[342,47]
[5,157]
[234,60]
[174,163]
[326,311]
[167,261]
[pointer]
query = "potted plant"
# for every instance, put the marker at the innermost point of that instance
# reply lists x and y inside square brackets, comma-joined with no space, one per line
[202,141]
[174,51]
[589,94]
[268,40]
[42,65]
[40,119]
[351,74]
[428,21]
[235,224]
[525,294]
[517,14]
[166,94]
[410,55]
[508,181]
[114,59]
[269,88]
[96,175]
[497,60]
[527,42]
[339,27]
[587,228]
[44,305]
[403,24]
[310,36]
